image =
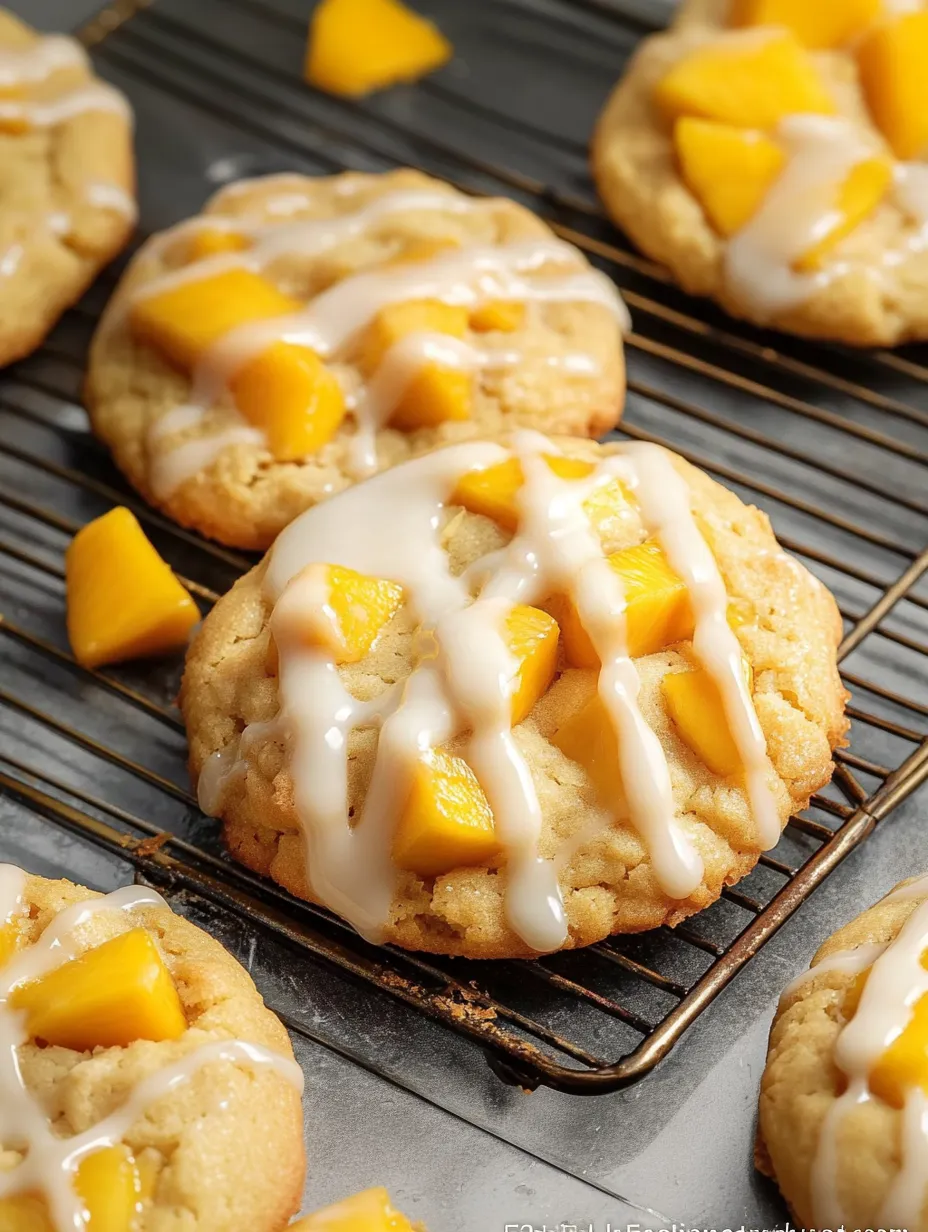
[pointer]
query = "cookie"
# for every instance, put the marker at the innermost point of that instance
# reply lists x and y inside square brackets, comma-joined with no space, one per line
[843,1122]
[772,168]
[460,777]
[142,1077]
[67,204]
[438,316]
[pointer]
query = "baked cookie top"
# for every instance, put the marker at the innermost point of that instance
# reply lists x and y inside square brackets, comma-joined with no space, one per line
[67,180]
[844,1096]
[303,333]
[142,1078]
[771,154]
[511,698]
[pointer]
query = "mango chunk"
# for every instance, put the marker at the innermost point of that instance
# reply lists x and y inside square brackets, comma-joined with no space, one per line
[903,1066]
[822,23]
[436,393]
[291,395]
[657,611]
[447,822]
[729,170]
[356,46]
[108,1183]
[185,320]
[210,242]
[532,637]
[589,738]
[110,996]
[859,196]
[352,610]
[493,492]
[893,62]
[694,703]
[25,1213]
[370,1211]
[123,600]
[753,85]
[502,316]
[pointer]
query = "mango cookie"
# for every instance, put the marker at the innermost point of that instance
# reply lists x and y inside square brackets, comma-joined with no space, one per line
[68,204]
[145,1087]
[304,333]
[507,699]
[771,155]
[844,1097]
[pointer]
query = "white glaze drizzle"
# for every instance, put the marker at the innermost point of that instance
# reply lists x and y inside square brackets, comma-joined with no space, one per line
[38,60]
[464,678]
[45,113]
[49,1161]
[170,468]
[797,212]
[914,889]
[896,983]
[846,962]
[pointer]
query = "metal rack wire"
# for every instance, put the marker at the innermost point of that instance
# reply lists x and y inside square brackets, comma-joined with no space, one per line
[833,445]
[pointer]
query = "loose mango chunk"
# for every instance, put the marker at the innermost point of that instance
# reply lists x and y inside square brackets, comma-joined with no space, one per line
[356,46]
[351,611]
[859,196]
[292,397]
[694,703]
[728,169]
[123,600]
[370,1211]
[502,316]
[657,607]
[436,393]
[532,638]
[493,492]
[185,320]
[447,822]
[25,1213]
[110,996]
[212,242]
[823,23]
[753,85]
[589,738]
[903,1066]
[108,1184]
[893,62]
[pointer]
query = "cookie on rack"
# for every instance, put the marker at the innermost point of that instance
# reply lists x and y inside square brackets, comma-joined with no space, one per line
[843,1126]
[68,201]
[771,155]
[146,1081]
[402,712]
[303,333]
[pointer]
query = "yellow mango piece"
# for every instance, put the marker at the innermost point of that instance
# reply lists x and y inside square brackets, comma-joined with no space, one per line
[447,822]
[589,738]
[356,46]
[532,636]
[657,612]
[108,1184]
[436,393]
[211,242]
[728,169]
[502,316]
[123,600]
[493,491]
[893,63]
[110,996]
[370,1211]
[859,196]
[903,1066]
[753,85]
[695,705]
[816,23]
[25,1213]
[352,611]
[185,320]
[291,395]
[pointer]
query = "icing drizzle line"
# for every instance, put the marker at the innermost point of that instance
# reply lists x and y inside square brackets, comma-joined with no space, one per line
[50,1161]
[461,683]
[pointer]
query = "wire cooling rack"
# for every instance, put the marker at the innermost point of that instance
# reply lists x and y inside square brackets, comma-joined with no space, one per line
[833,444]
